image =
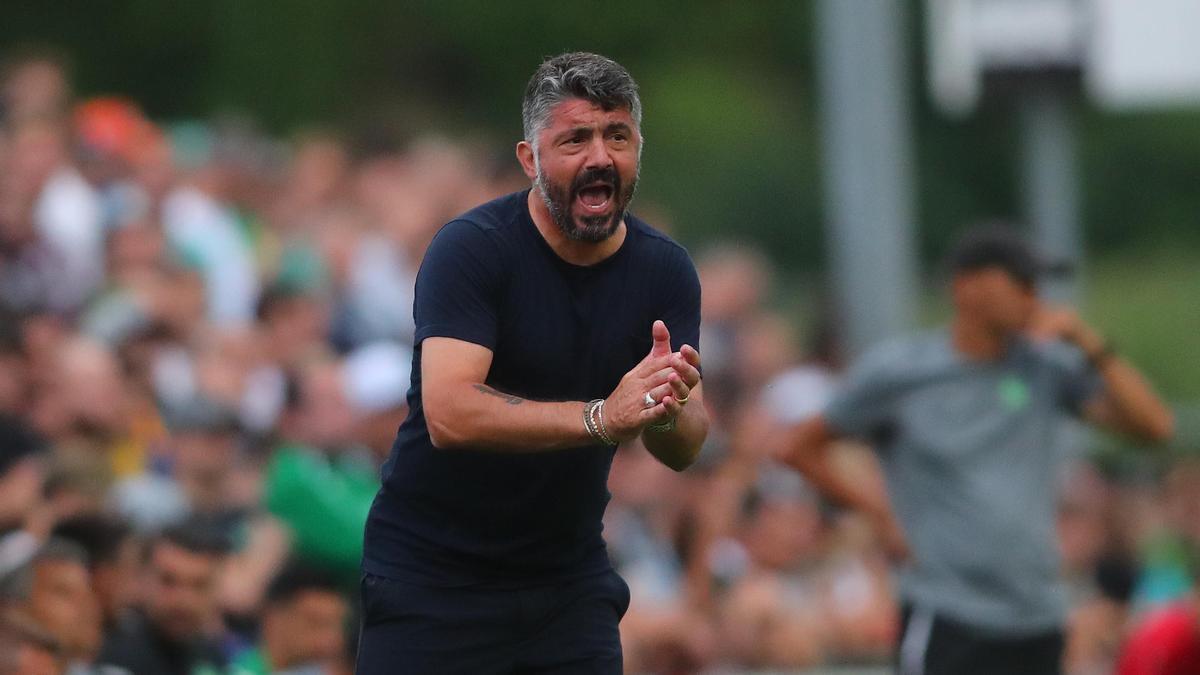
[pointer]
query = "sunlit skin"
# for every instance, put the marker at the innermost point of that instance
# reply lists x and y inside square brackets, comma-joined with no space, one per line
[582,137]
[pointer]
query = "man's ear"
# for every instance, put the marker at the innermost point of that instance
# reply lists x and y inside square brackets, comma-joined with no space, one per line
[525,157]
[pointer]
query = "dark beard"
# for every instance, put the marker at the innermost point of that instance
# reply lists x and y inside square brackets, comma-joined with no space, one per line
[592,229]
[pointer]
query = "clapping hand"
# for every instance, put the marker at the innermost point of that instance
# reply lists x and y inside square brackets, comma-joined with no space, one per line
[655,390]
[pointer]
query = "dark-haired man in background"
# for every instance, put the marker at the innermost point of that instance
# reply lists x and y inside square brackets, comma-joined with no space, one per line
[170,635]
[113,557]
[551,326]
[966,422]
[53,591]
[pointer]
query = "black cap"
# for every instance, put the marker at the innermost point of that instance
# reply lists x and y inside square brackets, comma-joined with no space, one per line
[1002,247]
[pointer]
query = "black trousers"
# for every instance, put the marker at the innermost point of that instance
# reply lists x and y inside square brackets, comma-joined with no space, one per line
[934,645]
[563,629]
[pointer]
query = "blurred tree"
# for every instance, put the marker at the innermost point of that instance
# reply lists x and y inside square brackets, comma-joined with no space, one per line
[727,86]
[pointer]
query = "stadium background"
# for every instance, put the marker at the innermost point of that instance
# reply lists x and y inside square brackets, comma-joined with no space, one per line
[321,130]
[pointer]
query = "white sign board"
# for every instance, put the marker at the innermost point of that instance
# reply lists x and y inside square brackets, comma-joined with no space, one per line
[1145,53]
[968,38]
[1132,53]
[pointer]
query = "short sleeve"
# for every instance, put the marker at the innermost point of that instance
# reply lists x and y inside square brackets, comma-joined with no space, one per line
[864,402]
[459,286]
[1077,381]
[682,312]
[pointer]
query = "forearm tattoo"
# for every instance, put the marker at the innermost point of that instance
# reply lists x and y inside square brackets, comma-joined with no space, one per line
[508,398]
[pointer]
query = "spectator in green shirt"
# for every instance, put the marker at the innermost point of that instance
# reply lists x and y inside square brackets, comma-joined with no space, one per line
[322,479]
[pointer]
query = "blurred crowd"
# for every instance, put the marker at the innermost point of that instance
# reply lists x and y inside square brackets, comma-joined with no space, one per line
[205,343]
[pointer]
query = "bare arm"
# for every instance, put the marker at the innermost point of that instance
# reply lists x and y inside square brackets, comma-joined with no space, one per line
[463,412]
[1129,404]
[807,449]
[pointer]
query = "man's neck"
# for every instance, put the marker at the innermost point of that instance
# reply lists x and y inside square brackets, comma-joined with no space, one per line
[975,341]
[582,253]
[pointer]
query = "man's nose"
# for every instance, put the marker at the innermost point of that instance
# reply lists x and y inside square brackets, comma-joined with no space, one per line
[598,156]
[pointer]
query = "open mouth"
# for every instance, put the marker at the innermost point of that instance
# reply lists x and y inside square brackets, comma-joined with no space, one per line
[595,197]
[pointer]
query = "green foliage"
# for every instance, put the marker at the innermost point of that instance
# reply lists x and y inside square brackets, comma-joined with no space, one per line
[1140,180]
[1148,303]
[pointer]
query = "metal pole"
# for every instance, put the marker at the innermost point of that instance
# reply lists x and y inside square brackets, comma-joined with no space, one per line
[1050,184]
[868,165]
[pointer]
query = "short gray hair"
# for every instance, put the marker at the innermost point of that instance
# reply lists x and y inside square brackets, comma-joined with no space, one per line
[577,75]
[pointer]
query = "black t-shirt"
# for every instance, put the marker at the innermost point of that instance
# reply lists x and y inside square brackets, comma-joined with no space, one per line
[557,332]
